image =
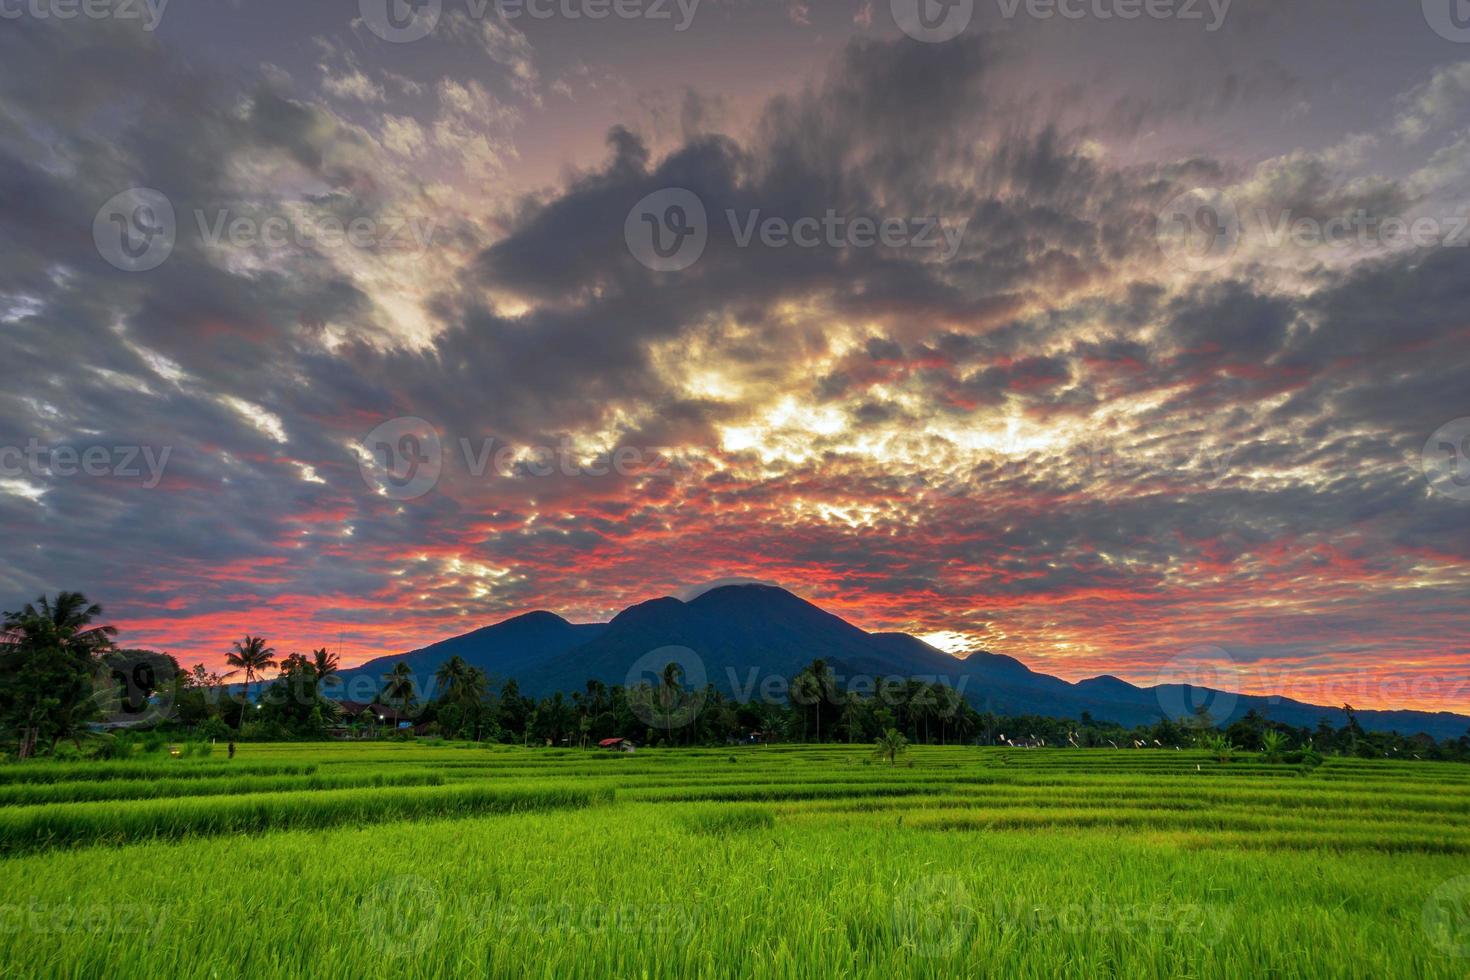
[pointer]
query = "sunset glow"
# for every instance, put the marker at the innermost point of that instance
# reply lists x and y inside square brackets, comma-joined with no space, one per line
[1066,443]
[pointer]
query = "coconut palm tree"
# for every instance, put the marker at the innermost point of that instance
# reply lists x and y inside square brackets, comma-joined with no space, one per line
[672,678]
[890,745]
[472,696]
[49,650]
[399,687]
[450,678]
[815,684]
[852,708]
[324,665]
[64,623]
[252,657]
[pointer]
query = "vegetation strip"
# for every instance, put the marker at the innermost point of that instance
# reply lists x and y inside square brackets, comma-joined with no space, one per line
[44,827]
[78,791]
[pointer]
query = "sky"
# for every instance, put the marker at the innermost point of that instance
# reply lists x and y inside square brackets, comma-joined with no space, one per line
[363,330]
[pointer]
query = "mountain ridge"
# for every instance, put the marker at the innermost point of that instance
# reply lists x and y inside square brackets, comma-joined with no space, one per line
[742,633]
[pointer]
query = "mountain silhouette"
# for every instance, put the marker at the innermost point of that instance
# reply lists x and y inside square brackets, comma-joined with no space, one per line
[739,637]
[502,651]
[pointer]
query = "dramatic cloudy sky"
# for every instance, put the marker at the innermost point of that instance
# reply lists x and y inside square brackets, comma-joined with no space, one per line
[1074,440]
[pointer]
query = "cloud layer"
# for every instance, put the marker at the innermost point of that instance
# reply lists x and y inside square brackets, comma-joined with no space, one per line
[1062,442]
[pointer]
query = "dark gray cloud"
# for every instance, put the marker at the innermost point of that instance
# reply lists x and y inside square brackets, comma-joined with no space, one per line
[1055,411]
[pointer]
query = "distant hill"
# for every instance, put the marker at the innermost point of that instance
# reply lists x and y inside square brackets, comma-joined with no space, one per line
[746,634]
[507,649]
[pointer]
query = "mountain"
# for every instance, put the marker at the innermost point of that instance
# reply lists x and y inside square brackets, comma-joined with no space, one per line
[743,636]
[506,650]
[741,633]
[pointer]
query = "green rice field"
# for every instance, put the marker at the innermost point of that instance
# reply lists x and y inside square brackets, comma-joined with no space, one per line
[409,860]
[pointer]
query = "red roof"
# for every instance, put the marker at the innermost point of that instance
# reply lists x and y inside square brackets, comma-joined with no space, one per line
[609,742]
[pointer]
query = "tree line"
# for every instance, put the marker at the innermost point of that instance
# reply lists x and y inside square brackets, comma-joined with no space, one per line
[63,677]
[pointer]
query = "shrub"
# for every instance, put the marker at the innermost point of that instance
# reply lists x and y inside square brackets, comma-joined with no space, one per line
[154,742]
[111,747]
[1218,746]
[1308,757]
[212,729]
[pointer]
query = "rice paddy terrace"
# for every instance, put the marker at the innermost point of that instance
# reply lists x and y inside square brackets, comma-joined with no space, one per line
[350,860]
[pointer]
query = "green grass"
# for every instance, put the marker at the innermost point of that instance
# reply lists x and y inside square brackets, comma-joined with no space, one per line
[42,772]
[80,791]
[113,822]
[787,862]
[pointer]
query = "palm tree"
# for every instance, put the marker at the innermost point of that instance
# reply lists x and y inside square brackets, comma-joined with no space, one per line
[325,666]
[949,706]
[65,623]
[821,681]
[890,746]
[596,697]
[472,690]
[252,656]
[61,630]
[450,678]
[399,687]
[852,706]
[673,680]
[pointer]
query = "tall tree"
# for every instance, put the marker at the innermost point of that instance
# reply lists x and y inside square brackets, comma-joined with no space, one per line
[49,654]
[672,690]
[253,658]
[450,677]
[822,686]
[399,687]
[474,689]
[325,665]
